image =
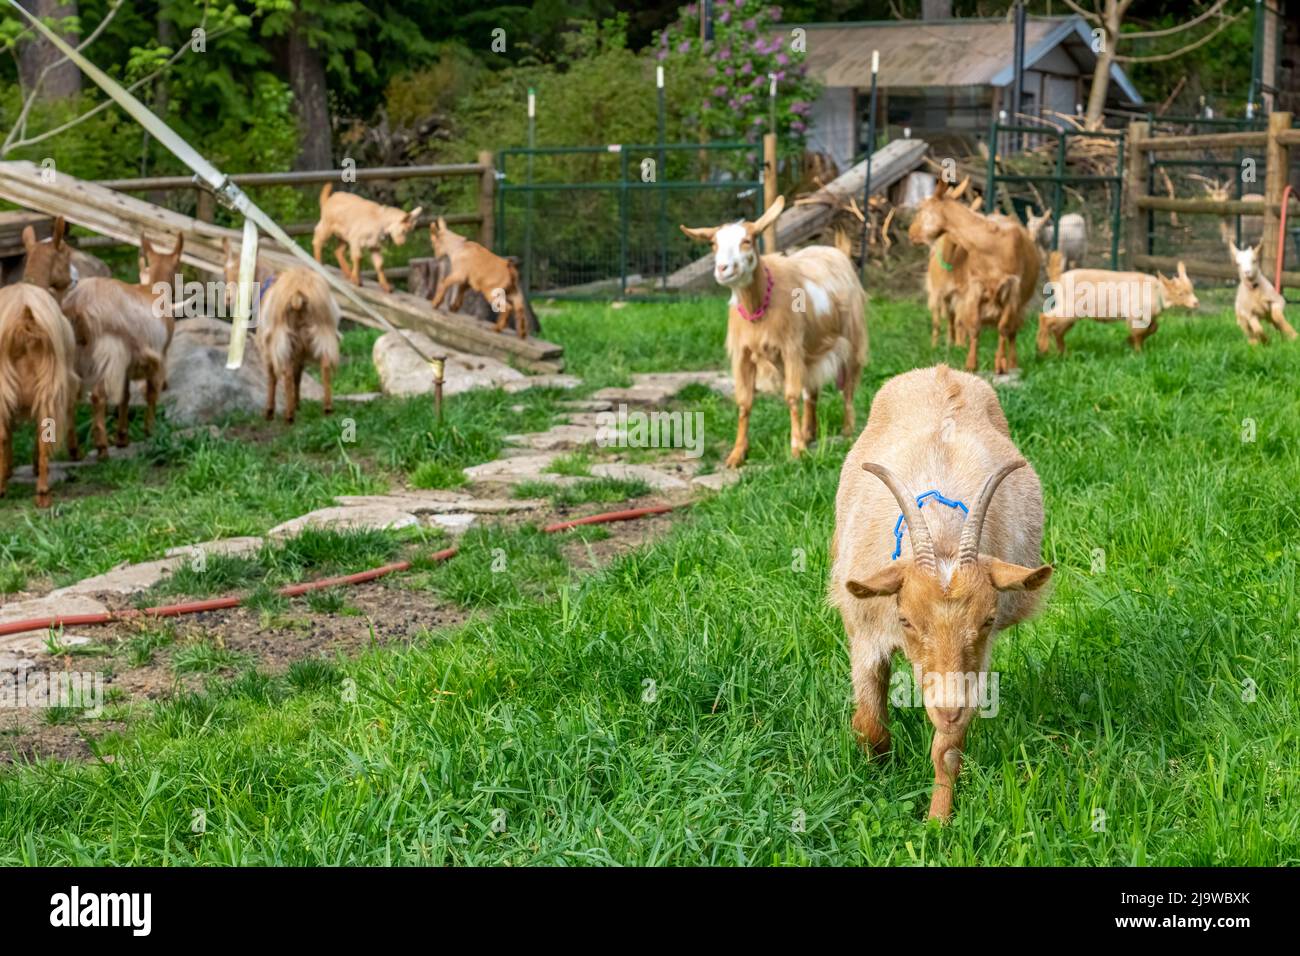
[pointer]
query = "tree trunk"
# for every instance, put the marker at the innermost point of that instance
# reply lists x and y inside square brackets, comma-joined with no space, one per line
[311,104]
[1101,75]
[36,53]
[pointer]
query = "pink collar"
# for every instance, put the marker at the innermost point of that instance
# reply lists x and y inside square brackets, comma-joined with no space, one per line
[762,309]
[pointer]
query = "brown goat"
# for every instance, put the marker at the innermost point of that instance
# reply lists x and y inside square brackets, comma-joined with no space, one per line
[943,591]
[123,332]
[492,277]
[796,324]
[37,361]
[360,224]
[297,321]
[1134,298]
[997,247]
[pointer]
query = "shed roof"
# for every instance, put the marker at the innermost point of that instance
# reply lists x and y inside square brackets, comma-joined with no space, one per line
[971,52]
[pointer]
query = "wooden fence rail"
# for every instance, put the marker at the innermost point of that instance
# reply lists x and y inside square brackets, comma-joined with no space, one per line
[1276,140]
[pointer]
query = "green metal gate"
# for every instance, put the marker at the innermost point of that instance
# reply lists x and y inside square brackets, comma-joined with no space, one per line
[1059,178]
[601,221]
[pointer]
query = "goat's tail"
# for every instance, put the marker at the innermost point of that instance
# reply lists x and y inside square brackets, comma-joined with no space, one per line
[33,327]
[325,193]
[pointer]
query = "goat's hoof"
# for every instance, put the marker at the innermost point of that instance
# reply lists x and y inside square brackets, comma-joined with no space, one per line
[327,410]
[44,500]
[269,414]
[735,460]
[121,442]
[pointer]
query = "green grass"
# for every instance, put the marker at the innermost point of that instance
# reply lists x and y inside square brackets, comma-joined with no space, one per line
[587,491]
[690,703]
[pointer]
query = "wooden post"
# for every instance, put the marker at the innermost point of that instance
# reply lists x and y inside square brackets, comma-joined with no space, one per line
[207,206]
[1277,159]
[487,190]
[1134,189]
[769,188]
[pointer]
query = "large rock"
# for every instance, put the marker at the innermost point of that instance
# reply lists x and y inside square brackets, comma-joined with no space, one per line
[200,389]
[403,372]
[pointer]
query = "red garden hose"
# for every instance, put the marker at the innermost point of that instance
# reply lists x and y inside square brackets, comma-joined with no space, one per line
[291,590]
[1281,238]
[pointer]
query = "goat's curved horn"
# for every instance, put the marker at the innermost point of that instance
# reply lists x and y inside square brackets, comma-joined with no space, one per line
[968,550]
[917,530]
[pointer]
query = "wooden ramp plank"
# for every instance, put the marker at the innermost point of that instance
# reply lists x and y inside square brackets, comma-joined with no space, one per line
[126,218]
[799,223]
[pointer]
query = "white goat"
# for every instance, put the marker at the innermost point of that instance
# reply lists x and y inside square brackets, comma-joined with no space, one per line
[1073,245]
[942,591]
[1257,298]
[795,325]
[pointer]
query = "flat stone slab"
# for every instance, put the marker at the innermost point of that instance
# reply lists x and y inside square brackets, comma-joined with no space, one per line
[586,405]
[222,546]
[125,578]
[514,468]
[403,372]
[60,469]
[655,388]
[363,517]
[455,523]
[542,381]
[47,606]
[359,397]
[440,502]
[558,437]
[717,480]
[656,479]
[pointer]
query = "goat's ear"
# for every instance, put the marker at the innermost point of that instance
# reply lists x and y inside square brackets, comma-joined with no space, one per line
[414,214]
[29,238]
[886,581]
[961,189]
[60,227]
[225,248]
[180,244]
[1182,272]
[1258,248]
[1014,577]
[769,217]
[1232,247]
[940,188]
[442,223]
[1162,277]
[701,233]
[145,245]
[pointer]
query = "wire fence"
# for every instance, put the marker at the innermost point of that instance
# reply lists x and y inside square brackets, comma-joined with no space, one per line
[602,221]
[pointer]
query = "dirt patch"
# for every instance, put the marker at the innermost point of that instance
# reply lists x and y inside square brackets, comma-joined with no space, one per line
[382,613]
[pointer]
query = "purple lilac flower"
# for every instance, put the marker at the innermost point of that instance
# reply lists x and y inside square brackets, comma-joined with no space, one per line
[724,53]
[746,97]
[774,13]
[749,26]
[729,71]
[684,46]
[798,126]
[782,59]
[747,69]
[719,91]
[661,55]
[725,16]
[706,105]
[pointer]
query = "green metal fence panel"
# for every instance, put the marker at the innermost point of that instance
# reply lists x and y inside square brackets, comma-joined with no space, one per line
[1059,178]
[601,221]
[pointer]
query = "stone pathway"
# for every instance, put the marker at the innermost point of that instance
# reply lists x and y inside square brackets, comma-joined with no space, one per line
[528,457]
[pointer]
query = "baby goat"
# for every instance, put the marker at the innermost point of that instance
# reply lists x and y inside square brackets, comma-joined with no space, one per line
[1073,244]
[1131,297]
[123,332]
[1256,298]
[492,277]
[37,360]
[799,321]
[360,224]
[297,320]
[967,567]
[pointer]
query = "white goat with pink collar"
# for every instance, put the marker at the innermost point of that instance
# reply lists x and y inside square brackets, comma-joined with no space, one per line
[797,323]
